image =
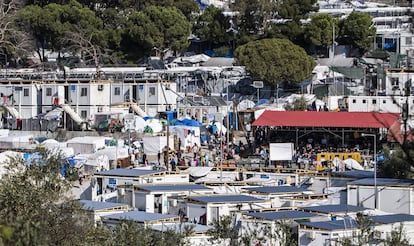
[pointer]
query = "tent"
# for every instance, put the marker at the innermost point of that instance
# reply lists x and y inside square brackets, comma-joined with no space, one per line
[189,135]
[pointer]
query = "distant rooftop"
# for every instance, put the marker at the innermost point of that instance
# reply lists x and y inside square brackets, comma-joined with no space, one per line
[280,215]
[173,187]
[383,182]
[139,216]
[331,225]
[179,227]
[225,199]
[276,189]
[124,172]
[334,208]
[94,205]
[392,218]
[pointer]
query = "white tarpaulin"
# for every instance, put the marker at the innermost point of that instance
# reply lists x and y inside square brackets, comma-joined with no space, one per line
[189,135]
[198,171]
[281,151]
[245,104]
[352,164]
[155,144]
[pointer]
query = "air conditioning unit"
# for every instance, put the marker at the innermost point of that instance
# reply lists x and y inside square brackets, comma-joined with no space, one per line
[100,87]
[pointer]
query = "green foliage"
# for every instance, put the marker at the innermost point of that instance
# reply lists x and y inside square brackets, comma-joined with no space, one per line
[212,25]
[298,105]
[319,31]
[131,233]
[397,237]
[161,27]
[398,162]
[32,204]
[283,233]
[358,30]
[254,15]
[224,230]
[275,61]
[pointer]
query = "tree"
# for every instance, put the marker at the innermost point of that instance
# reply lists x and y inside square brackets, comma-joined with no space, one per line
[160,27]
[319,32]
[13,41]
[275,61]
[291,12]
[212,25]
[358,30]
[50,23]
[397,237]
[254,18]
[32,204]
[223,230]
[398,163]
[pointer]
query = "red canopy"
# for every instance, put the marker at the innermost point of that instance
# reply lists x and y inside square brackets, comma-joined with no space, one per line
[326,119]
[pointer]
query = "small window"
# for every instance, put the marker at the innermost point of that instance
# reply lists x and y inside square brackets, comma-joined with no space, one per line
[151,91]
[48,92]
[84,113]
[384,102]
[25,92]
[408,40]
[364,101]
[374,101]
[354,101]
[117,91]
[84,92]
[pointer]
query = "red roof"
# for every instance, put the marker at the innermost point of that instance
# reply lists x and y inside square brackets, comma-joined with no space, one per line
[326,119]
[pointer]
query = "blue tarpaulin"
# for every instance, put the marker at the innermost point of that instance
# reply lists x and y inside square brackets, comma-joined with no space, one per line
[186,122]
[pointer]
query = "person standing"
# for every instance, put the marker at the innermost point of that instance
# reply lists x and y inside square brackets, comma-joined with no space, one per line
[159,157]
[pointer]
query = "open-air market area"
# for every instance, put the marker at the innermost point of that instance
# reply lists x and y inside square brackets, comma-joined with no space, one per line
[207,123]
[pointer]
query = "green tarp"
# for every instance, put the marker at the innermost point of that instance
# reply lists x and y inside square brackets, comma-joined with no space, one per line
[350,72]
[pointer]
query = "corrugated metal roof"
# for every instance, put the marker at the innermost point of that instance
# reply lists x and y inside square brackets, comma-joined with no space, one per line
[139,216]
[331,225]
[94,205]
[277,189]
[179,227]
[326,119]
[334,208]
[383,181]
[392,218]
[174,187]
[354,174]
[228,198]
[280,215]
[124,172]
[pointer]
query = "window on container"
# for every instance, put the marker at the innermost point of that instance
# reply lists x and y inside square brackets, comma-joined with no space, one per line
[48,92]
[408,40]
[353,101]
[151,91]
[374,101]
[84,92]
[84,113]
[117,91]
[26,92]
[384,102]
[364,101]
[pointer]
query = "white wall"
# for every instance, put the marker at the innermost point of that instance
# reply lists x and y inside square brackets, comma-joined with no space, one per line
[390,199]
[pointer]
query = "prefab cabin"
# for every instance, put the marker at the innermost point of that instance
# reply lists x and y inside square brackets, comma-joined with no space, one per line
[159,198]
[262,227]
[107,181]
[140,217]
[99,209]
[393,195]
[205,209]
